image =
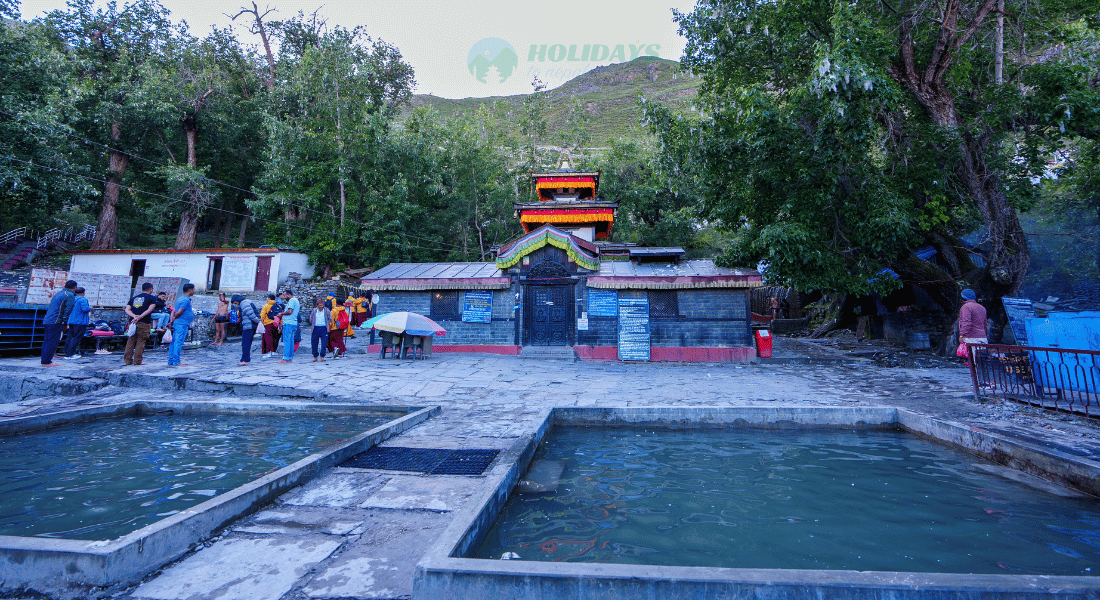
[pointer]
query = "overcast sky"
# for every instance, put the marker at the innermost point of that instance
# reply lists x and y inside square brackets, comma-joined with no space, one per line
[436,38]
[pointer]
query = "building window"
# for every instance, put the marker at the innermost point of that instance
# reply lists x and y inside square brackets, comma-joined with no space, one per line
[445,305]
[663,303]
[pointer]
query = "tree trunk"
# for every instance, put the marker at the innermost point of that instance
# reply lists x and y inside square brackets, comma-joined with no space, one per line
[189,217]
[218,225]
[189,230]
[244,227]
[228,227]
[106,232]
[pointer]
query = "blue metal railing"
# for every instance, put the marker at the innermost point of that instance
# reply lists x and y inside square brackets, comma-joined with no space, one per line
[1061,379]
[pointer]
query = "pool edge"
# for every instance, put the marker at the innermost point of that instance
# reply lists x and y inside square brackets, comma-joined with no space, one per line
[443,575]
[49,562]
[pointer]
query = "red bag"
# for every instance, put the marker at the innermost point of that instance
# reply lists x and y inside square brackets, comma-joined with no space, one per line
[962,351]
[342,319]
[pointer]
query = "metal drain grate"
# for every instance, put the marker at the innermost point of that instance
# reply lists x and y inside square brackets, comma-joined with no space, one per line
[432,461]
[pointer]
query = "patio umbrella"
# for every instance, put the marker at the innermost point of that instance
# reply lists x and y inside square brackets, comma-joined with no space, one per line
[405,322]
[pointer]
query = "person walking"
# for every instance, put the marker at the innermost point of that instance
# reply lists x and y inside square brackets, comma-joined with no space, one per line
[182,315]
[290,324]
[250,319]
[338,321]
[78,325]
[221,320]
[318,318]
[271,332]
[972,320]
[139,309]
[349,305]
[55,320]
[362,310]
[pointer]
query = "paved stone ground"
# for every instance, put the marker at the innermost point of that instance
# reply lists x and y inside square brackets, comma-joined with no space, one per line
[358,533]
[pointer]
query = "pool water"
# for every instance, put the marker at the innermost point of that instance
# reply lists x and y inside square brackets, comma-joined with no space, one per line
[106,478]
[867,501]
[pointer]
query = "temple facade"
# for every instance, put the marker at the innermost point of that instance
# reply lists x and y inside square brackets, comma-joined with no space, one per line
[564,283]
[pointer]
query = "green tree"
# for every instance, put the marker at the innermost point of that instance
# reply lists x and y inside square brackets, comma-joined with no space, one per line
[839,136]
[35,187]
[336,95]
[109,47]
[651,212]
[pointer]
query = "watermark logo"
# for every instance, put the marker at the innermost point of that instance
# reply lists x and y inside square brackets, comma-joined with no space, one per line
[590,52]
[492,61]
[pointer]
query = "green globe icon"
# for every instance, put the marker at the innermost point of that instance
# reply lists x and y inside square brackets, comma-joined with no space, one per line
[492,60]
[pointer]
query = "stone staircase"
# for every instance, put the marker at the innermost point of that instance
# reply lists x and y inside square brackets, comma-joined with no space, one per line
[548,353]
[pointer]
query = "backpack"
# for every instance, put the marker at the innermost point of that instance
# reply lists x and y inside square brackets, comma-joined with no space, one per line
[342,319]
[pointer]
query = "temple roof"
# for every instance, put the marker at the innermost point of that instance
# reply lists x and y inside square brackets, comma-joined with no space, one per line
[437,276]
[699,273]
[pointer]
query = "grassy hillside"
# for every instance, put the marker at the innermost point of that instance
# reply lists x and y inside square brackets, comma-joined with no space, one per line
[609,96]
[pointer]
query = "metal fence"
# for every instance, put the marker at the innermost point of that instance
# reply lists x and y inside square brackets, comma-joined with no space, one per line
[1048,377]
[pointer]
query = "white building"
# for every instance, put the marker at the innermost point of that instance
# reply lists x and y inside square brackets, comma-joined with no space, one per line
[212,269]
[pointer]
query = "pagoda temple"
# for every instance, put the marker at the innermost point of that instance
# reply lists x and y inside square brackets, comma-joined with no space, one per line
[566,199]
[565,282]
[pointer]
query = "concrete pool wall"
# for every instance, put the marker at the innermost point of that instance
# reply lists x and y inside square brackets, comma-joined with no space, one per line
[35,562]
[444,574]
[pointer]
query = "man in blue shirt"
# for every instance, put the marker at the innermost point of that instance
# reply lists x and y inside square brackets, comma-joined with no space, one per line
[78,324]
[182,315]
[290,324]
[56,319]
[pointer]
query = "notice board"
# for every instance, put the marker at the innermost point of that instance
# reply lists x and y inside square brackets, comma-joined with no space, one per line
[44,284]
[634,329]
[104,290]
[238,273]
[1019,310]
[99,289]
[603,303]
[170,285]
[477,306]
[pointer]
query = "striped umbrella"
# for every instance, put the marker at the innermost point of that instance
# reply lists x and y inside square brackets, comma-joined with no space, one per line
[405,322]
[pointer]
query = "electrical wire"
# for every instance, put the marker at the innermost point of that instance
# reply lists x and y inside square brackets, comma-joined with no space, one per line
[207,179]
[226,211]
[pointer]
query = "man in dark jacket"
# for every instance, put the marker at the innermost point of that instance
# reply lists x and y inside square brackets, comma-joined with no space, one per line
[55,321]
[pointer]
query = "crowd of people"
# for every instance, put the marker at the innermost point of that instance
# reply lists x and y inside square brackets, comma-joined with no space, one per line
[279,320]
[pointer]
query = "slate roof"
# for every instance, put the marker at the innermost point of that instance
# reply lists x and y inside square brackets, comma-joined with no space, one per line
[437,276]
[688,274]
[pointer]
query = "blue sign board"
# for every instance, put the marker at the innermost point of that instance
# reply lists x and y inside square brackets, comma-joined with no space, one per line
[603,303]
[1019,310]
[477,306]
[634,329]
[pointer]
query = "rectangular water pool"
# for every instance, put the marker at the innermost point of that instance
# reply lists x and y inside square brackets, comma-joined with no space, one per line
[103,495]
[851,500]
[775,502]
[106,478]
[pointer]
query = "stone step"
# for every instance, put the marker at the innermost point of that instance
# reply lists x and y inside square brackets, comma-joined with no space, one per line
[548,353]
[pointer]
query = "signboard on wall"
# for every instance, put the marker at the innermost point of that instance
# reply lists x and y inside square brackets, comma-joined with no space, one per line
[238,273]
[634,329]
[477,306]
[171,285]
[44,284]
[99,289]
[165,265]
[104,290]
[1019,310]
[603,303]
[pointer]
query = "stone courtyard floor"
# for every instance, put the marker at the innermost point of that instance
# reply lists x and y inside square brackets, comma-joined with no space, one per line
[358,533]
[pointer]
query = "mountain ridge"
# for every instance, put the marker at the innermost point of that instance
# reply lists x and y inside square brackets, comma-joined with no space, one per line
[608,95]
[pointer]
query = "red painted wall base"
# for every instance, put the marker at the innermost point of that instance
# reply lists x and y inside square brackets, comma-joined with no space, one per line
[484,349]
[671,354]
